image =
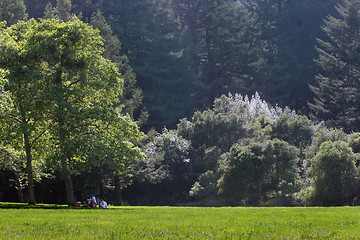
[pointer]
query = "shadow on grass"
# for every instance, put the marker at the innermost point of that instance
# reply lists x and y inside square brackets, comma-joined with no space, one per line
[7,205]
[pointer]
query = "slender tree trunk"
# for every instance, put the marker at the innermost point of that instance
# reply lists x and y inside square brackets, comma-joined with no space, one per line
[118,190]
[101,187]
[68,184]
[19,188]
[29,169]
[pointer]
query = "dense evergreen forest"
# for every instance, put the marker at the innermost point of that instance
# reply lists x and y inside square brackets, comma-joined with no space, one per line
[180,102]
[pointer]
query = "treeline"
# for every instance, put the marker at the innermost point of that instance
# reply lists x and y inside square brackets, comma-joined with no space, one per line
[245,152]
[175,57]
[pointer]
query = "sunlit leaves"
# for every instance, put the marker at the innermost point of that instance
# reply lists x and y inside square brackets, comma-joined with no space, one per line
[64,89]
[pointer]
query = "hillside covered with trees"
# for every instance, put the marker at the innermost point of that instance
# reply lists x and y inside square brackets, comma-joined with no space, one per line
[168,102]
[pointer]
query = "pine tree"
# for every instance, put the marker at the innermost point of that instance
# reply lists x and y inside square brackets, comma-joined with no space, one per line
[132,95]
[338,87]
[159,57]
[12,11]
[289,29]
[228,50]
[63,10]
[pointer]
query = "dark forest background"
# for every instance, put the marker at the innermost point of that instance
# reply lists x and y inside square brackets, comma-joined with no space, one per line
[187,53]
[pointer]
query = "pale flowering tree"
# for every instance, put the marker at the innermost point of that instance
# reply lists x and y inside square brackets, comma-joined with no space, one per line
[249,109]
[167,166]
[236,121]
[231,121]
[166,155]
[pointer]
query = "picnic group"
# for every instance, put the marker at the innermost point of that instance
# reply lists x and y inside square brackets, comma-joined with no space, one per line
[92,202]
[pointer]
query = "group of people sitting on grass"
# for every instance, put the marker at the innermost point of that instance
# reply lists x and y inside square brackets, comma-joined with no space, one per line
[92,203]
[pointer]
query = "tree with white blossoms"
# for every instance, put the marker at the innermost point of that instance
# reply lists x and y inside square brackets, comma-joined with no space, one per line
[167,164]
[235,121]
[214,131]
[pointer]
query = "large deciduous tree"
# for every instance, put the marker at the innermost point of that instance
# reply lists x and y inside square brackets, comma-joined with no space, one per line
[61,71]
[11,153]
[26,90]
[333,174]
[251,173]
[338,87]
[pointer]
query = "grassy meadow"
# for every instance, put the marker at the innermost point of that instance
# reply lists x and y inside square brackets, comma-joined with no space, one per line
[18,221]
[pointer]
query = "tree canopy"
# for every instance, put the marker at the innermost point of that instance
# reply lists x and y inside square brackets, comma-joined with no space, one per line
[62,86]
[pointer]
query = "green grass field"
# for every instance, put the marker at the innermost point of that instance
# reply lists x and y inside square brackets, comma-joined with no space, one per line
[19,221]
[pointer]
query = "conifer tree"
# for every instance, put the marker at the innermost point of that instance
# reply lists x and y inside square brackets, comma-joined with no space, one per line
[12,11]
[226,43]
[62,11]
[159,57]
[289,29]
[131,99]
[338,87]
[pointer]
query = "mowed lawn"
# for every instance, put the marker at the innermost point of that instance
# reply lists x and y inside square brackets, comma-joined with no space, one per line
[59,222]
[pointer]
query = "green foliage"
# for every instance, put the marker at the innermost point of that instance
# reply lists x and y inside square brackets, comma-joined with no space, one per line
[167,165]
[74,85]
[26,91]
[323,134]
[257,171]
[12,11]
[62,100]
[62,11]
[173,148]
[131,99]
[206,187]
[232,120]
[354,142]
[289,29]
[296,130]
[332,173]
[234,124]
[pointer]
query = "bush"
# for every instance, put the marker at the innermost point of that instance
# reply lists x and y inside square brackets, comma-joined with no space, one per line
[332,174]
[259,171]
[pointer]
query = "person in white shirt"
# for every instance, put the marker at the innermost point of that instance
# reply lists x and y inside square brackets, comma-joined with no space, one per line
[94,199]
[92,202]
[103,204]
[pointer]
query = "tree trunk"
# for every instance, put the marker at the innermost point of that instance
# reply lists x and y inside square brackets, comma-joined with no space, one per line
[101,187]
[19,188]
[68,184]
[118,190]
[29,169]
[66,157]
